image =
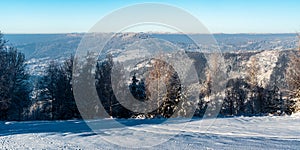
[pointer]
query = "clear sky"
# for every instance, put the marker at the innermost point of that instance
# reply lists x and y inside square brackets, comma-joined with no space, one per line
[219,16]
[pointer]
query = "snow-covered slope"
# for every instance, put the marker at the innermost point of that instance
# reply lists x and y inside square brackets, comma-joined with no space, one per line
[268,132]
[271,65]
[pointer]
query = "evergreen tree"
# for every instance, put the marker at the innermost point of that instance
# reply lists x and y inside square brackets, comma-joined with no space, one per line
[134,87]
[273,100]
[141,91]
[56,89]
[236,95]
[103,75]
[14,83]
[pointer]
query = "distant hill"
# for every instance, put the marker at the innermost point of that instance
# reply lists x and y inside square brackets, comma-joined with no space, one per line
[237,42]
[62,45]
[45,45]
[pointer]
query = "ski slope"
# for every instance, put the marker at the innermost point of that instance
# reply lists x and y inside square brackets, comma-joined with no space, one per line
[269,132]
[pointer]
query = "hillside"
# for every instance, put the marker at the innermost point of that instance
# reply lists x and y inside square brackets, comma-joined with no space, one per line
[271,51]
[56,46]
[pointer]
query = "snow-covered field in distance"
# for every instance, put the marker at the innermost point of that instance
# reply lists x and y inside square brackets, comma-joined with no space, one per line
[269,132]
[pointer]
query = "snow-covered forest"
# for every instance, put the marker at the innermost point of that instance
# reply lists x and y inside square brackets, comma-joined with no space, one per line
[51,97]
[256,106]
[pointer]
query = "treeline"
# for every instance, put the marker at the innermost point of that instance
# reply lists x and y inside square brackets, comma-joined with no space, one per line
[241,98]
[52,98]
[54,95]
[246,96]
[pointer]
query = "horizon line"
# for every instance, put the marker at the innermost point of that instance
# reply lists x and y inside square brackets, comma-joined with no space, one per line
[158,33]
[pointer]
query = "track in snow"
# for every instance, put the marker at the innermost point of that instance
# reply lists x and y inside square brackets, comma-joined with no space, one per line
[222,133]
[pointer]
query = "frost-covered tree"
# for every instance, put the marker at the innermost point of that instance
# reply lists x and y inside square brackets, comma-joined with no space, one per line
[212,91]
[293,79]
[164,88]
[255,98]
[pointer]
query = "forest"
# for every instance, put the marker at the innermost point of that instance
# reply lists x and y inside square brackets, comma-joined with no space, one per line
[54,98]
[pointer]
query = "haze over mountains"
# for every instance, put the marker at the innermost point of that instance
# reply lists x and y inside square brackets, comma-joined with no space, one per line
[270,50]
[61,45]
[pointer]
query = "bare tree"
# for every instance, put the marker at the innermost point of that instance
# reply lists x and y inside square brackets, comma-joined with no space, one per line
[215,83]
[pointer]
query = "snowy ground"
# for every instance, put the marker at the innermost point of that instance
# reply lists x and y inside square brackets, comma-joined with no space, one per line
[223,133]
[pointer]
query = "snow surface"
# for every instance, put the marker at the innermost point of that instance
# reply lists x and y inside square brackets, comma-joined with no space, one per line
[270,132]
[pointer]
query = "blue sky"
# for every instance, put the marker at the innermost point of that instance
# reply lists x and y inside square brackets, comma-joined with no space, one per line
[219,16]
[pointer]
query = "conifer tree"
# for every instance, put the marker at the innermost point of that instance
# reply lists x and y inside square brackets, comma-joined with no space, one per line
[14,83]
